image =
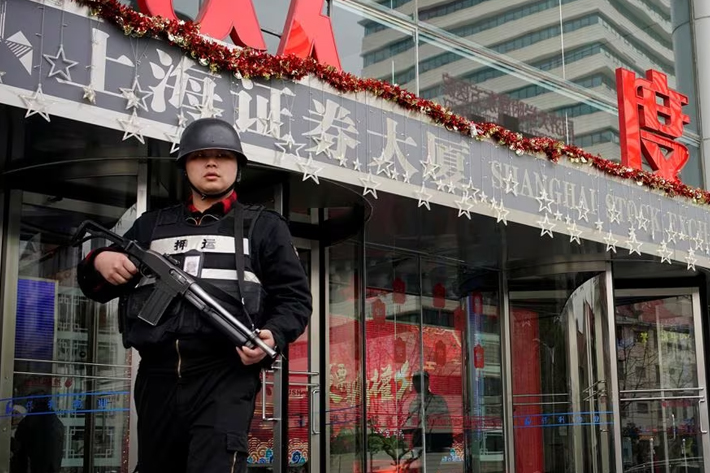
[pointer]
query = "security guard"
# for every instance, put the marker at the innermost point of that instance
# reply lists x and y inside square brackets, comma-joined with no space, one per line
[195,392]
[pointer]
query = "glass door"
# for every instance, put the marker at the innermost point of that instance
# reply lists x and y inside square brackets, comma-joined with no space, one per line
[67,404]
[561,371]
[285,429]
[663,408]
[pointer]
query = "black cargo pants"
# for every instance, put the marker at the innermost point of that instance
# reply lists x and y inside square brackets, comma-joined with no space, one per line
[197,421]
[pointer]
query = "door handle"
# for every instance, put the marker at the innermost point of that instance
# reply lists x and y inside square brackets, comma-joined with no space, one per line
[700,419]
[264,417]
[313,410]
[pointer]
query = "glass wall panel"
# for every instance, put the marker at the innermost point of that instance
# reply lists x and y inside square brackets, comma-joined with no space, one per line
[345,422]
[478,318]
[394,356]
[401,8]
[483,92]
[71,390]
[525,30]
[560,357]
[373,48]
[557,35]
[444,353]
[661,397]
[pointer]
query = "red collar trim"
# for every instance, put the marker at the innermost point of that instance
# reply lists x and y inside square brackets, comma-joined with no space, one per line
[222,207]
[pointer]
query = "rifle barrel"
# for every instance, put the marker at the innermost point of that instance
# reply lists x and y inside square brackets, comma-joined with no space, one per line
[248,334]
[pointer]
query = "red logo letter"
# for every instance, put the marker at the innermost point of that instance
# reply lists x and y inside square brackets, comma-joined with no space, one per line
[307,33]
[217,19]
[648,127]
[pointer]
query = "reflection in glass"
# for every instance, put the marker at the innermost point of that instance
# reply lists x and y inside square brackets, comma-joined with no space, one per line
[433,367]
[71,389]
[561,412]
[482,92]
[345,423]
[658,379]
[393,340]
[261,435]
[373,48]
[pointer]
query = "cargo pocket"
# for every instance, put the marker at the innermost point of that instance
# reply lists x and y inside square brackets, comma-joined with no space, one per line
[238,448]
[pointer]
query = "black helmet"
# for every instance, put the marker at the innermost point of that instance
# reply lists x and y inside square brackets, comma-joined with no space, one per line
[212,133]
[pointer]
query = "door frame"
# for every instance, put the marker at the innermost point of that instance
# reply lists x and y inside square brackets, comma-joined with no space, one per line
[316,372]
[694,293]
[604,271]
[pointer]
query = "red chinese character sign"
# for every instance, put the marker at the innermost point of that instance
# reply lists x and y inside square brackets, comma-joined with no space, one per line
[307,32]
[650,120]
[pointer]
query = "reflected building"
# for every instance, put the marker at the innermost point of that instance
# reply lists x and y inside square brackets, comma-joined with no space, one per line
[542,68]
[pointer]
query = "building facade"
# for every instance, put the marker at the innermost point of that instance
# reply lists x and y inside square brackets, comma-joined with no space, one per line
[477,306]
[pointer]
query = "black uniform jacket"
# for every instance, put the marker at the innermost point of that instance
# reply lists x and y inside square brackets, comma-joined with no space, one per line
[287,303]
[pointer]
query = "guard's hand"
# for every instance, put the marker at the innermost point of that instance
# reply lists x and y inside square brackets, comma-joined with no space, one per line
[251,356]
[115,267]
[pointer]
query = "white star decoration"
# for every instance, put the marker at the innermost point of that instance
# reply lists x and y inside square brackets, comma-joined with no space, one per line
[664,252]
[182,120]
[613,213]
[599,225]
[310,170]
[383,165]
[464,205]
[610,242]
[406,177]
[430,168]
[174,139]
[131,128]
[546,226]
[633,244]
[357,165]
[545,201]
[699,242]
[501,213]
[208,110]
[671,233]
[323,144]
[511,185]
[369,186]
[60,71]
[582,212]
[642,221]
[288,147]
[471,189]
[90,94]
[574,233]
[423,197]
[342,160]
[1,75]
[36,104]
[135,96]
[691,259]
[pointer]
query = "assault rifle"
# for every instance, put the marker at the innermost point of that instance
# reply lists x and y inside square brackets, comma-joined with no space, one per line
[170,282]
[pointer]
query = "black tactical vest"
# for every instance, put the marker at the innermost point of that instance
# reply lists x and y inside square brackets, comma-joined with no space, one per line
[206,251]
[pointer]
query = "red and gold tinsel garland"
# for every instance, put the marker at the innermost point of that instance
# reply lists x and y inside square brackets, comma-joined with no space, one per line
[253,64]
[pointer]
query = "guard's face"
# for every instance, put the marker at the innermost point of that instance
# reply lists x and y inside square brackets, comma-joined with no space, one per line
[211,171]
